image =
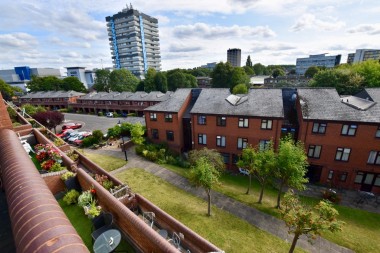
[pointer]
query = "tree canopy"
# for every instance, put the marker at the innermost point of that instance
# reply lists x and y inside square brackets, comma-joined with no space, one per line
[178,78]
[123,80]
[240,89]
[278,72]
[53,83]
[248,63]
[50,119]
[6,90]
[102,80]
[311,71]
[300,219]
[222,75]
[212,156]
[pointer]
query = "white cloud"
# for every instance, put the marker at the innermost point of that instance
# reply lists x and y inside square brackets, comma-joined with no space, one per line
[371,29]
[309,21]
[17,41]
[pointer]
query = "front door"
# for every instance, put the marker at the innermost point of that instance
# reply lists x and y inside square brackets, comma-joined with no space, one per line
[367,183]
[314,173]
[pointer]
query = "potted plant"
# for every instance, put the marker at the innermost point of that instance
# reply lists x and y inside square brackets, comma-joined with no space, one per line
[71,197]
[71,181]
[85,199]
[92,210]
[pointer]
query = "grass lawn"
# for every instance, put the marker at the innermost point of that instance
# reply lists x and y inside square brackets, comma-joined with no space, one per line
[83,226]
[360,233]
[228,232]
[108,163]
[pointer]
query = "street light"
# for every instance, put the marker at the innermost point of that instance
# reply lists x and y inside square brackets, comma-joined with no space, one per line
[122,139]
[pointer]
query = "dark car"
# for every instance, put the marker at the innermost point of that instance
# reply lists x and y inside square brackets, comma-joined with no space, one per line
[71,126]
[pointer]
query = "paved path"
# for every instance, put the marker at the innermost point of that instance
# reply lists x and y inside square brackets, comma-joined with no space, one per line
[259,219]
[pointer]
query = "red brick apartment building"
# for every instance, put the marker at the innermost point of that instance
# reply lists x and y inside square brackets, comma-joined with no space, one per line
[120,102]
[214,118]
[342,137]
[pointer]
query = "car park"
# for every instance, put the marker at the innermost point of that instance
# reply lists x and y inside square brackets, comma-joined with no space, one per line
[67,137]
[71,125]
[65,132]
[77,136]
[80,139]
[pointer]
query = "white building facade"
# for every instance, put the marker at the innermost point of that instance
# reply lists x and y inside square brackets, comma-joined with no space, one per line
[319,60]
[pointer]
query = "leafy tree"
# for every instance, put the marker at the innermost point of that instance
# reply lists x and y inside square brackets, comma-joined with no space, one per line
[278,72]
[311,71]
[72,83]
[211,155]
[50,119]
[221,75]
[301,219]
[161,82]
[102,80]
[191,81]
[149,83]
[123,80]
[249,70]
[31,109]
[199,72]
[178,78]
[137,134]
[6,90]
[259,69]
[240,89]
[97,136]
[246,161]
[114,132]
[291,165]
[248,63]
[204,174]
[126,129]
[46,83]
[238,76]
[370,71]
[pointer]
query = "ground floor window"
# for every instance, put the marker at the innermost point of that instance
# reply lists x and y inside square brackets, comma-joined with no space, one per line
[226,157]
[330,175]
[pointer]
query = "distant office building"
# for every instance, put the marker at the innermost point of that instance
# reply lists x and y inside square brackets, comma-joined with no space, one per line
[20,76]
[319,60]
[134,41]
[363,55]
[209,66]
[85,76]
[234,57]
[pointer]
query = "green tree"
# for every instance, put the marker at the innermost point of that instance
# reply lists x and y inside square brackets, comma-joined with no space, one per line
[46,83]
[278,72]
[238,76]
[259,69]
[6,90]
[311,71]
[246,161]
[370,71]
[31,109]
[149,82]
[161,82]
[204,174]
[191,81]
[114,132]
[72,83]
[102,80]
[97,136]
[137,134]
[248,63]
[176,78]
[221,75]
[291,166]
[301,219]
[211,155]
[123,80]
[240,89]
[249,70]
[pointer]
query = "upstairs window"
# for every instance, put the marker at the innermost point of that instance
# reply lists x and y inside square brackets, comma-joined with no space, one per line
[221,121]
[168,117]
[349,130]
[242,143]
[201,120]
[220,141]
[243,122]
[378,133]
[342,154]
[374,157]
[202,139]
[153,116]
[314,151]
[319,128]
[266,124]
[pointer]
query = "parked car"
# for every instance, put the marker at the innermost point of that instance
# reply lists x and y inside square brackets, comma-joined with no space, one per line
[109,114]
[72,125]
[77,136]
[79,141]
[67,137]
[64,132]
[244,172]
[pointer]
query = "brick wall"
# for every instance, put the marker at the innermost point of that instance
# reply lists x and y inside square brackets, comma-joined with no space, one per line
[5,121]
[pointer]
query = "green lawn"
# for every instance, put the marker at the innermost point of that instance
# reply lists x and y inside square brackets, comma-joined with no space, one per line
[83,226]
[108,163]
[360,233]
[228,232]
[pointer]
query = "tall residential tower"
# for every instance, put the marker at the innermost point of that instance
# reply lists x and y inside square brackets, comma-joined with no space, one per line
[234,57]
[134,41]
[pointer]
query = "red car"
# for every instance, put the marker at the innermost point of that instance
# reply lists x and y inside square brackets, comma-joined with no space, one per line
[64,132]
[71,126]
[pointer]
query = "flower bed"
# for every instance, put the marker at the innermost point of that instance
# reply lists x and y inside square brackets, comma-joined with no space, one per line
[49,157]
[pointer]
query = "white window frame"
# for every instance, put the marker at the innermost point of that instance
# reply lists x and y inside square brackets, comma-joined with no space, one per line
[266,124]
[202,139]
[342,154]
[242,143]
[314,151]
[349,129]
[374,157]
[221,141]
[243,122]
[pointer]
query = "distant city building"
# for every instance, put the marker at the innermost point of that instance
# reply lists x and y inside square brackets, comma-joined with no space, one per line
[363,55]
[234,57]
[85,76]
[204,81]
[257,80]
[20,76]
[209,66]
[319,60]
[134,41]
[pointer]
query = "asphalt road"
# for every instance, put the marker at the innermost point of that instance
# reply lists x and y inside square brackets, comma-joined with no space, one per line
[92,122]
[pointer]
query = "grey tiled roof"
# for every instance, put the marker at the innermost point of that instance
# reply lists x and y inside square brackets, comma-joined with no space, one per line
[53,94]
[128,96]
[325,104]
[258,102]
[173,104]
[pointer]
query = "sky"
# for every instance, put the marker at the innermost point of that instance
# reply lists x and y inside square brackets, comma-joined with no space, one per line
[70,33]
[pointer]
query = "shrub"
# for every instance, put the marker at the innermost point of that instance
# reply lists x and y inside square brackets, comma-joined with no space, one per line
[12,114]
[57,167]
[72,155]
[116,115]
[107,184]
[131,114]
[79,111]
[70,109]
[100,114]
[85,198]
[89,141]
[139,149]
[63,110]
[67,175]
[71,197]
[97,135]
